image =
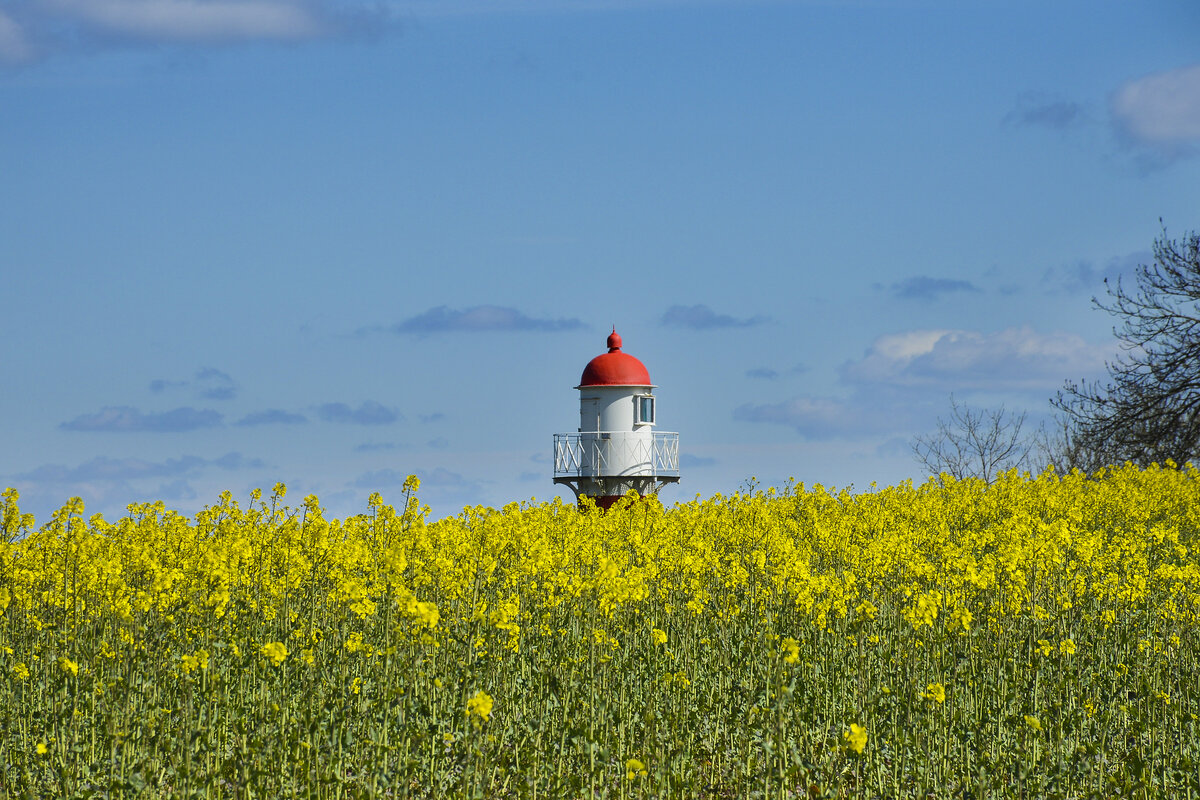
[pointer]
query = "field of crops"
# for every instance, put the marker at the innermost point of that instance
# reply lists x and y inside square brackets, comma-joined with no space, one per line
[1032,638]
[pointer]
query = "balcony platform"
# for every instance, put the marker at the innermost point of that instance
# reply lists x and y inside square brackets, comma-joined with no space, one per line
[616,454]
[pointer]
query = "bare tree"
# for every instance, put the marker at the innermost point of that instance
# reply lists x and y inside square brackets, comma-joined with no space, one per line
[974,443]
[1149,408]
[1060,445]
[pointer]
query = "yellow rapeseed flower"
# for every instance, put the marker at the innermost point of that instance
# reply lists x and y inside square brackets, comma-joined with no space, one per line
[660,637]
[1033,722]
[426,614]
[634,769]
[790,649]
[41,748]
[856,737]
[67,665]
[275,651]
[963,617]
[935,692]
[480,705]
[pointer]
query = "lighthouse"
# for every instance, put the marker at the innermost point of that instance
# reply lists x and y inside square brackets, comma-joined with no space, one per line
[617,447]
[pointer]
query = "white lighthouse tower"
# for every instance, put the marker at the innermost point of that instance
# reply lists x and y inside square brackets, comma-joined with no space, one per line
[617,448]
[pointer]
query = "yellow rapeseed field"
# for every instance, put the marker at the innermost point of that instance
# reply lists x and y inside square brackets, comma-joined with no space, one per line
[1031,638]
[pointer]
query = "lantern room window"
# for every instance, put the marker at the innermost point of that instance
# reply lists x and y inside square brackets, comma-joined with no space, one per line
[644,409]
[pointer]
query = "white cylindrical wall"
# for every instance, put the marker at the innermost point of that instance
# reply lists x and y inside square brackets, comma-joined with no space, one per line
[613,442]
[611,408]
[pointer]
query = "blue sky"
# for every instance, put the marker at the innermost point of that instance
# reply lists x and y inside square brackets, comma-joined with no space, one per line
[334,243]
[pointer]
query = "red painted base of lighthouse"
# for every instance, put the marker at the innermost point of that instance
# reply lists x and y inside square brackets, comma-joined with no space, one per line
[605,492]
[607,501]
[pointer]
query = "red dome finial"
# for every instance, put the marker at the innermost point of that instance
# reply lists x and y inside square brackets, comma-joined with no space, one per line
[614,340]
[614,368]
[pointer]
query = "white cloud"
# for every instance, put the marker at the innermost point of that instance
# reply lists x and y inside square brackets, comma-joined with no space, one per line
[820,418]
[701,317]
[368,413]
[1014,358]
[906,346]
[1047,111]
[13,43]
[195,19]
[479,319]
[445,8]
[108,484]
[904,378]
[432,8]
[1160,109]
[37,28]
[127,419]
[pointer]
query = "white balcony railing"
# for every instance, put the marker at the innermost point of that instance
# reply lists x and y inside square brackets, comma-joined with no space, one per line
[616,453]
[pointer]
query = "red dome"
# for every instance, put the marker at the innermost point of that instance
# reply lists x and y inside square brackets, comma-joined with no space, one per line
[615,368]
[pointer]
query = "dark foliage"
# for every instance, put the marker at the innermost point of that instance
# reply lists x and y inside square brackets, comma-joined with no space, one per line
[1149,408]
